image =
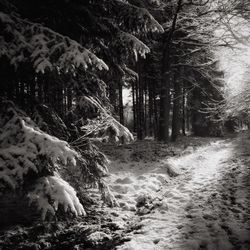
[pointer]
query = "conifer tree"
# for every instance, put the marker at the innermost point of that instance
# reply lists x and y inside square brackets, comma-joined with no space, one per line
[53,57]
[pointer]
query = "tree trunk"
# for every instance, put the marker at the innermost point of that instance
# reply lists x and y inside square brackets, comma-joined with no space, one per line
[176,121]
[121,113]
[134,106]
[156,115]
[164,110]
[146,127]
[165,80]
[183,110]
[140,104]
[69,98]
[150,110]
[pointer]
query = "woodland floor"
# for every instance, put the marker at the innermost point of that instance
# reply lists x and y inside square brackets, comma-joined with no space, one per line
[205,207]
[190,195]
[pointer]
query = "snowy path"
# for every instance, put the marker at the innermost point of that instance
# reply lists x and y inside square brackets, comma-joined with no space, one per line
[205,207]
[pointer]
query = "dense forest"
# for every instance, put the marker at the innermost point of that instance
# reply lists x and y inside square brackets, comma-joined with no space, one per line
[65,69]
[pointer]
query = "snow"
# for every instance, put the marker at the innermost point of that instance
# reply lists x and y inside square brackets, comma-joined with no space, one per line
[22,144]
[47,49]
[136,45]
[105,127]
[59,191]
[5,18]
[205,206]
[25,149]
[98,236]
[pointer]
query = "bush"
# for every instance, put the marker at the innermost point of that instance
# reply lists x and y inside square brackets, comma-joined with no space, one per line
[33,161]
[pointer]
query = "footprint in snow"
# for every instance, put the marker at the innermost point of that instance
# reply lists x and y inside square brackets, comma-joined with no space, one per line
[122,189]
[126,180]
[141,177]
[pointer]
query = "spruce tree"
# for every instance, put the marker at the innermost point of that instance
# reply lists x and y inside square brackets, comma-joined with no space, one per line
[53,57]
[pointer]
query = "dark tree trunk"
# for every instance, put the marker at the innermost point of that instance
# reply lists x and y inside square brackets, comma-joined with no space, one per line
[134,105]
[146,128]
[165,80]
[176,121]
[156,114]
[121,113]
[140,104]
[183,110]
[69,98]
[21,94]
[112,92]
[150,110]
[137,107]
[164,110]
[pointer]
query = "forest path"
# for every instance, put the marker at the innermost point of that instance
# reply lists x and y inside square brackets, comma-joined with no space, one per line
[205,207]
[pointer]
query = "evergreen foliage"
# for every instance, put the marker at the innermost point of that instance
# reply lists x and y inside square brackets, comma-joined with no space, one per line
[51,68]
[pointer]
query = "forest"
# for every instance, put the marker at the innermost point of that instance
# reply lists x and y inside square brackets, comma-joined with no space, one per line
[124,124]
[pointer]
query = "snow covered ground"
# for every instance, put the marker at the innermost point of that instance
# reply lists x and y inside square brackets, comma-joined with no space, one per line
[196,200]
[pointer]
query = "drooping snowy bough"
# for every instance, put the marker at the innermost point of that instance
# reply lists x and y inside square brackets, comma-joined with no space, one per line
[104,127]
[30,160]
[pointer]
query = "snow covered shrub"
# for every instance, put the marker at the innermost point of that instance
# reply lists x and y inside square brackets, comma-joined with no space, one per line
[43,166]
[30,159]
[90,167]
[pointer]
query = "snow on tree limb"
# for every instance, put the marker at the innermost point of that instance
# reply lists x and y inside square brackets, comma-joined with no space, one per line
[47,49]
[103,127]
[134,44]
[59,191]
[27,151]
[134,18]
[22,145]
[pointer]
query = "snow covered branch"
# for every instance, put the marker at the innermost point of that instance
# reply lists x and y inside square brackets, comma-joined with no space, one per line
[59,191]
[104,127]
[210,63]
[133,44]
[29,155]
[133,18]
[22,40]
